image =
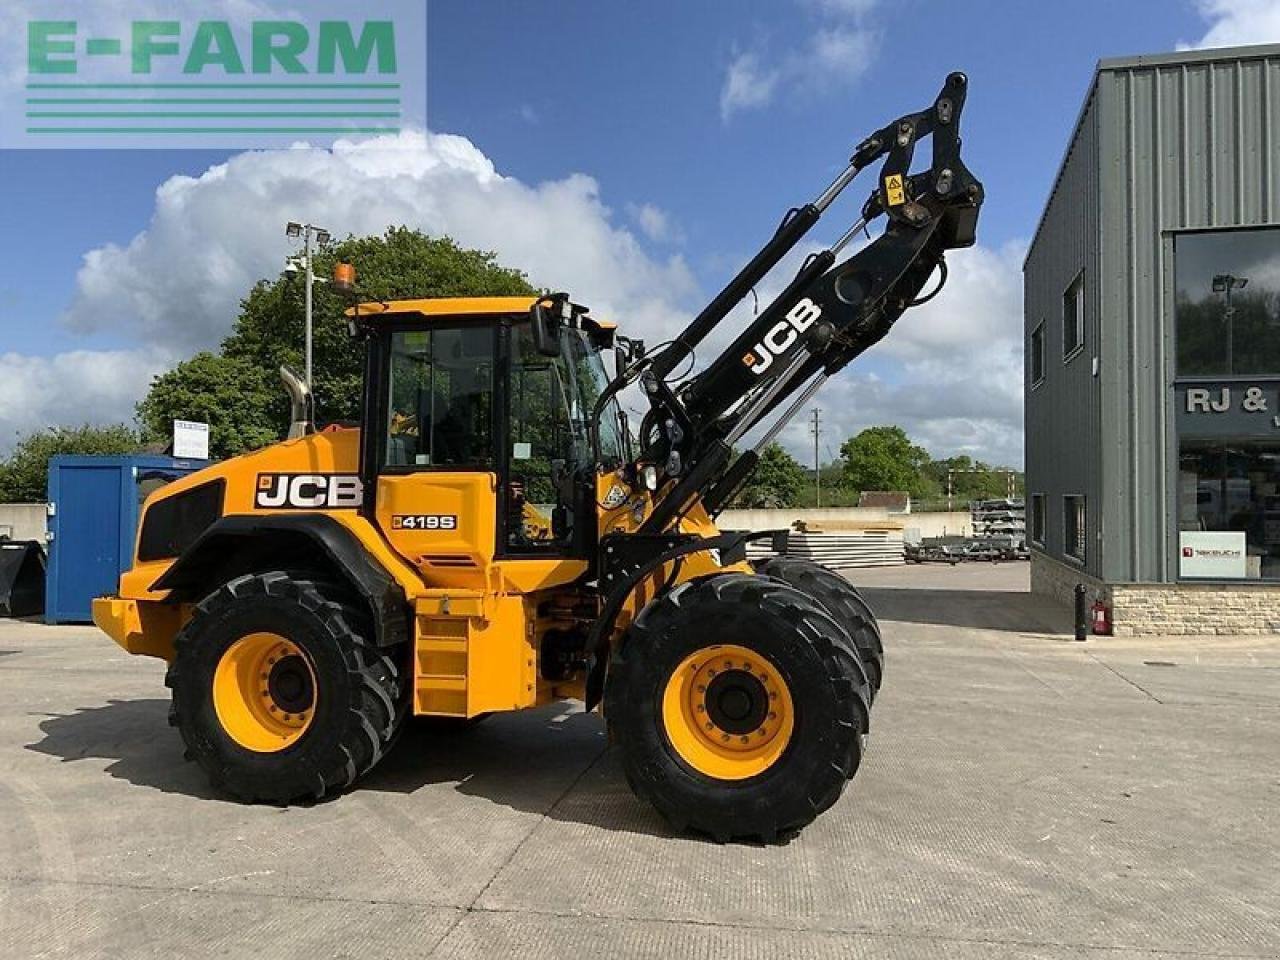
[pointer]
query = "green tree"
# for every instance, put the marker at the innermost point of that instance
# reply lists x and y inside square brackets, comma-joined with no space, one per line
[238,390]
[777,482]
[24,474]
[244,404]
[971,479]
[884,458]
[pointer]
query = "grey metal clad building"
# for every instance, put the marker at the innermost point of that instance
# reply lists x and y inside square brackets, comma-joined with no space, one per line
[1152,326]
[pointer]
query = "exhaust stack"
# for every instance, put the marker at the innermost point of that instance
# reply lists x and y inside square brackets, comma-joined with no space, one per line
[302,404]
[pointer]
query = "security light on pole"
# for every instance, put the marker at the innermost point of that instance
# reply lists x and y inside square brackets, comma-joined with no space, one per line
[322,237]
[1225,283]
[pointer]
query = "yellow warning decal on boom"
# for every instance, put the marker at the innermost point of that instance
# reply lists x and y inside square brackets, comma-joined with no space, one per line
[894,193]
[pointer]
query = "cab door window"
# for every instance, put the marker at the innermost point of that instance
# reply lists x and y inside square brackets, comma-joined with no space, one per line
[440,405]
[545,447]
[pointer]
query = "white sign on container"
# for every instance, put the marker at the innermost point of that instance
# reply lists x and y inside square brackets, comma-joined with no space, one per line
[1212,553]
[190,440]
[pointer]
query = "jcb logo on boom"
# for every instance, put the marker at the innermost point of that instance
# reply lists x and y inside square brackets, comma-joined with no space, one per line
[308,491]
[782,335]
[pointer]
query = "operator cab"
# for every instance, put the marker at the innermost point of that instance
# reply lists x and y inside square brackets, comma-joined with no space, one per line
[504,386]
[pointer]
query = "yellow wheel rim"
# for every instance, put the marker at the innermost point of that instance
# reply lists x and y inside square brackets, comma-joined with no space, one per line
[264,692]
[727,712]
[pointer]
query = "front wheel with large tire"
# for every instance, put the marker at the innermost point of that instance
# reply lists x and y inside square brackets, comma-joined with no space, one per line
[278,691]
[841,599]
[733,710]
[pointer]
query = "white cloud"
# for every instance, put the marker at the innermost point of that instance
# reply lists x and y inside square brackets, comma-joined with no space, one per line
[1235,23]
[654,222]
[848,8]
[81,386]
[176,286]
[747,84]
[951,370]
[178,283]
[838,52]
[842,53]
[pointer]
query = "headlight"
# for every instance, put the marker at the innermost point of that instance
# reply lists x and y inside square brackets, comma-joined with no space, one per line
[649,477]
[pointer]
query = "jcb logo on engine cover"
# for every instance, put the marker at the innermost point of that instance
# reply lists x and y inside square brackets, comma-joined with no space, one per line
[782,335]
[308,491]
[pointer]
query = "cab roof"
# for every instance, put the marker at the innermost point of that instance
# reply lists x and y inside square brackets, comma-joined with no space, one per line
[448,307]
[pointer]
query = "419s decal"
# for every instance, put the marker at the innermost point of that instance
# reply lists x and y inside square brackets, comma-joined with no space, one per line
[424,521]
[308,491]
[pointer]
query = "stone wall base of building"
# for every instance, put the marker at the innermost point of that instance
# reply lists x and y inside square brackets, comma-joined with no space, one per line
[1165,608]
[1058,580]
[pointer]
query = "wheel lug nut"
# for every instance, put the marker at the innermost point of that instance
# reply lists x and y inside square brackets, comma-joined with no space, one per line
[702,688]
[724,736]
[746,739]
[701,708]
[773,716]
[710,725]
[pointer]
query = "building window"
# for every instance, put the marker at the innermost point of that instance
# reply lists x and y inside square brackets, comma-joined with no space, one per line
[1073,526]
[1226,399]
[1073,318]
[1229,508]
[1227,307]
[1037,355]
[1037,519]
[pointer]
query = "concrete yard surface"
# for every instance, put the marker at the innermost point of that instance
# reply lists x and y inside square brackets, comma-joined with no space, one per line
[1024,795]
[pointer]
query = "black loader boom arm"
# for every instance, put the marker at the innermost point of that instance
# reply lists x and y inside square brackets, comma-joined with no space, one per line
[827,315]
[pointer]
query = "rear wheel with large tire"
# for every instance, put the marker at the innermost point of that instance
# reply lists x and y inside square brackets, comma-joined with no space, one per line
[279,692]
[841,599]
[733,710]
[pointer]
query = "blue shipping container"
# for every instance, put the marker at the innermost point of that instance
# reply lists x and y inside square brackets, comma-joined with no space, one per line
[94,504]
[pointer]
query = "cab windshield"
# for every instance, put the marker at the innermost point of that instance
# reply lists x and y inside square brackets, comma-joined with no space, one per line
[550,404]
[587,372]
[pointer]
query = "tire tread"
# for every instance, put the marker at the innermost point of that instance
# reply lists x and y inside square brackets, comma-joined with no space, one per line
[376,708]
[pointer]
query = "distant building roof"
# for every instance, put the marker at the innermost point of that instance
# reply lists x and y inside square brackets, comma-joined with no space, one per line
[888,499]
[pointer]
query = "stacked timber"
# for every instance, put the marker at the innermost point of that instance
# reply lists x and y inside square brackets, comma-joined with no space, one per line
[869,547]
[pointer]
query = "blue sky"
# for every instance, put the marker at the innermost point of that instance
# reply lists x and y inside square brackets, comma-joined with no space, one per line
[697,124]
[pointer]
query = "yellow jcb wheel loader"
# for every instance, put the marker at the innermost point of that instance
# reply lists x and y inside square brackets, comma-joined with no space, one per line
[493,538]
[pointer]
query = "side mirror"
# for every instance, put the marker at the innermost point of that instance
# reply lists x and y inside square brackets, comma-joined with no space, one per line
[628,351]
[544,324]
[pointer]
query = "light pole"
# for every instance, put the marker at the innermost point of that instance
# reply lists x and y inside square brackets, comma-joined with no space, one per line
[306,231]
[1224,283]
[816,427]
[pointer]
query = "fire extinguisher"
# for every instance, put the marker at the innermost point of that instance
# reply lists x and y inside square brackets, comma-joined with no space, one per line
[1101,618]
